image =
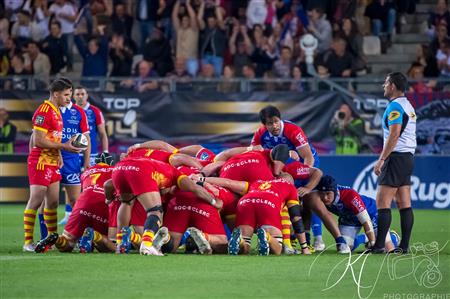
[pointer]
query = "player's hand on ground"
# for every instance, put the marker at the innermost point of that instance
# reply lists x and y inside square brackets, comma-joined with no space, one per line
[378,166]
[302,191]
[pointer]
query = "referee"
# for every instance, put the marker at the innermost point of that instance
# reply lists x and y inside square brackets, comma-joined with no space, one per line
[396,162]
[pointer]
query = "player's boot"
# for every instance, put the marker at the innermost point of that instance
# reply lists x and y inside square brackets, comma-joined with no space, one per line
[319,245]
[45,244]
[28,247]
[235,241]
[86,241]
[263,243]
[125,245]
[147,245]
[199,239]
[342,246]
[161,238]
[287,250]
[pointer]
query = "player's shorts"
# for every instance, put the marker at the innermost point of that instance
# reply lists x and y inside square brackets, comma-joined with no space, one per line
[256,212]
[87,213]
[71,171]
[138,214]
[192,212]
[131,177]
[397,170]
[350,232]
[43,175]
[91,159]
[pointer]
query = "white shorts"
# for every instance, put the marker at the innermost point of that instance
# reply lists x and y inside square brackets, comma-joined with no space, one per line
[349,234]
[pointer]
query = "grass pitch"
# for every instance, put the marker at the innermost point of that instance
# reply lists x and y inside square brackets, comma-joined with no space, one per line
[423,274]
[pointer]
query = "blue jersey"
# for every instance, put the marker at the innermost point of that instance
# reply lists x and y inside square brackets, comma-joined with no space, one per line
[95,118]
[348,203]
[290,134]
[74,120]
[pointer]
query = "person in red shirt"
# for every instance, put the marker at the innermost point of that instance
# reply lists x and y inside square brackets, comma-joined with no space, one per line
[45,159]
[89,219]
[145,180]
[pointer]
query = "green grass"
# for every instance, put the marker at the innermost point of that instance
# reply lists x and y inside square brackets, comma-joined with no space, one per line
[56,275]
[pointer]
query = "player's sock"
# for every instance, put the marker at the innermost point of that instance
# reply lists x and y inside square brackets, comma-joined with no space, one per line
[62,244]
[316,225]
[286,227]
[68,211]
[308,237]
[97,237]
[29,218]
[406,222]
[147,238]
[384,222]
[135,238]
[167,247]
[42,226]
[360,239]
[119,237]
[50,218]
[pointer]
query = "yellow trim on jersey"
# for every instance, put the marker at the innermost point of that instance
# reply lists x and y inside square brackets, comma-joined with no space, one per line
[170,157]
[180,178]
[53,106]
[175,151]
[245,189]
[40,129]
[293,202]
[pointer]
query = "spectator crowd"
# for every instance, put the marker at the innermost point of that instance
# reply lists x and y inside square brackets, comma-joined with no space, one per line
[228,39]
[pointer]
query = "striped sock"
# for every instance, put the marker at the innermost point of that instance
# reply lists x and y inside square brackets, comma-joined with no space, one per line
[97,236]
[50,219]
[148,237]
[119,237]
[61,243]
[135,238]
[29,218]
[286,226]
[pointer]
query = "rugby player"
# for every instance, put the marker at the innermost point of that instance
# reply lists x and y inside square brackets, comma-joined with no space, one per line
[354,211]
[89,220]
[45,159]
[75,121]
[144,180]
[274,131]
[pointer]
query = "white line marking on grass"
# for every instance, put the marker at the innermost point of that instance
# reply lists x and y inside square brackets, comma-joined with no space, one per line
[24,257]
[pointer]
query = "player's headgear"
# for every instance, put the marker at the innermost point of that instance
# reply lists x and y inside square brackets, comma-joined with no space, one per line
[104,157]
[327,183]
[280,153]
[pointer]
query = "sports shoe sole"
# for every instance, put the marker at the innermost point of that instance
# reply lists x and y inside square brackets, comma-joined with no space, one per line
[45,244]
[161,238]
[263,244]
[203,245]
[86,240]
[235,241]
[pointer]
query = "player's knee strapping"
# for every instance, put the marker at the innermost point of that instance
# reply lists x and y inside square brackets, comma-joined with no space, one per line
[296,219]
[153,221]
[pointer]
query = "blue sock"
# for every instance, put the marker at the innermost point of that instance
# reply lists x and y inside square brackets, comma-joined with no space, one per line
[316,225]
[68,208]
[42,226]
[360,239]
[185,236]
[227,231]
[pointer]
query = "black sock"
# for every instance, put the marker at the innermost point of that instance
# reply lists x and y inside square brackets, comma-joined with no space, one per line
[406,221]
[308,237]
[168,247]
[384,222]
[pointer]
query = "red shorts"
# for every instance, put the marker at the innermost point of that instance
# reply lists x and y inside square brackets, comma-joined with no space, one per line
[256,212]
[131,177]
[138,214]
[88,213]
[230,201]
[44,176]
[187,210]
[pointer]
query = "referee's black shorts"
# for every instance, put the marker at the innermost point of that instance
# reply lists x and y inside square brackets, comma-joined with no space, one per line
[397,170]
